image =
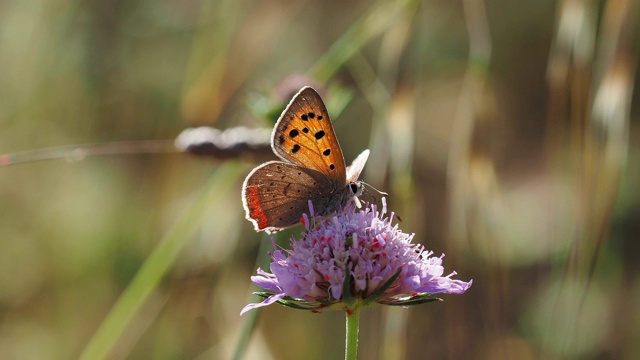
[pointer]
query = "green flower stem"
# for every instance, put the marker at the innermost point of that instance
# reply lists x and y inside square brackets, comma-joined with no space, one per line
[353,326]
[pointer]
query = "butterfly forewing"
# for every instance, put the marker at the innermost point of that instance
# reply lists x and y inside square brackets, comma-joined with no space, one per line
[304,136]
[276,194]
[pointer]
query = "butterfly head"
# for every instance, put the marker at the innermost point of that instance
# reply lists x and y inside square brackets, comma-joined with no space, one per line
[356,188]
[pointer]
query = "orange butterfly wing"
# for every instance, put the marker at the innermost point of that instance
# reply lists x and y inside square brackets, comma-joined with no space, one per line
[304,136]
[276,194]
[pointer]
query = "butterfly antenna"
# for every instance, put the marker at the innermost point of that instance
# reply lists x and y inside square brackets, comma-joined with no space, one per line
[375,199]
[378,191]
[368,192]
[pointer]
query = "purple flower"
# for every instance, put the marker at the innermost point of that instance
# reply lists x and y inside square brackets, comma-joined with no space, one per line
[378,261]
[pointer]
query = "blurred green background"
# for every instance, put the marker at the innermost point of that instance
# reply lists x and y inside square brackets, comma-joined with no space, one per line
[505,132]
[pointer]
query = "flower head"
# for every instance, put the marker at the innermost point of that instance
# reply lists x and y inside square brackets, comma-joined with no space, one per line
[351,259]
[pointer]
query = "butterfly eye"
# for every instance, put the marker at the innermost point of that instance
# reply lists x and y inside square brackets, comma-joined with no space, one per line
[354,187]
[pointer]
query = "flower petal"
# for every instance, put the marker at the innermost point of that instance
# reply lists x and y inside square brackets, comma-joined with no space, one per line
[268,301]
[266,281]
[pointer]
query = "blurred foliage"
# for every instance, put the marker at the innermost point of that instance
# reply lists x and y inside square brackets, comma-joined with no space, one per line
[506,133]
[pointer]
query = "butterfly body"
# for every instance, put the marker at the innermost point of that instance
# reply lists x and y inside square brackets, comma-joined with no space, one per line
[277,193]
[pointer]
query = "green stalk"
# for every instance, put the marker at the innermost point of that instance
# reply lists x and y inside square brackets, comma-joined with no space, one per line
[157,264]
[353,326]
[378,20]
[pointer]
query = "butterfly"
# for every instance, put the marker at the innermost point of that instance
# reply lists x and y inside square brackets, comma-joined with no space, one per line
[277,193]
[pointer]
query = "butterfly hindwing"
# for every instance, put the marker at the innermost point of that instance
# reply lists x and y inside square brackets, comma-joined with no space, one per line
[304,136]
[276,194]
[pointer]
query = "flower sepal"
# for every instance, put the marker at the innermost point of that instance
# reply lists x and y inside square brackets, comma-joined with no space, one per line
[381,290]
[347,299]
[398,300]
[410,300]
[295,303]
